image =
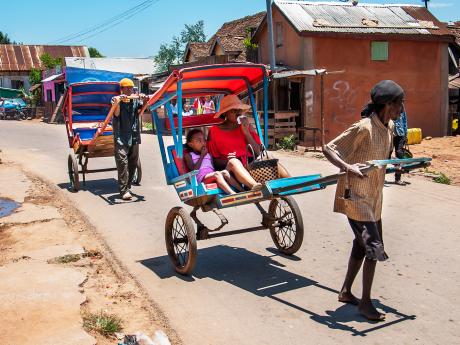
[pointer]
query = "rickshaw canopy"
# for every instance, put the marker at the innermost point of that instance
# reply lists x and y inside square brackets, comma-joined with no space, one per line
[213,79]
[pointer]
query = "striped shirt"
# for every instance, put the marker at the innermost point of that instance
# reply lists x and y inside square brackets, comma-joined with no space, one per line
[368,139]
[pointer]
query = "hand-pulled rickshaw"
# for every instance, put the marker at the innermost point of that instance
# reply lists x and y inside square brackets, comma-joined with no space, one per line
[283,217]
[88,115]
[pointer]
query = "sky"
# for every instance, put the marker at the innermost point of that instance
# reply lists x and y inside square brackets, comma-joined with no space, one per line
[45,21]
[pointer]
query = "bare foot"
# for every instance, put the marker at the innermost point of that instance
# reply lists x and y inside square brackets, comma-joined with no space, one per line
[368,310]
[348,297]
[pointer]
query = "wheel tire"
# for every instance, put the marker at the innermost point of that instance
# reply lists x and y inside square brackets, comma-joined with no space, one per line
[72,166]
[180,240]
[287,227]
[138,174]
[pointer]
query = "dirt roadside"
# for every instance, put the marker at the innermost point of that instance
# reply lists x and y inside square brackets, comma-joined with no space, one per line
[55,260]
[445,152]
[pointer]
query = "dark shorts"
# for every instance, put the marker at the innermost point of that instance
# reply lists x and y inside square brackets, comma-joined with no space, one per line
[368,240]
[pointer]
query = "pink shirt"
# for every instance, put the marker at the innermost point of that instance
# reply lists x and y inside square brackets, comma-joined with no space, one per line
[206,166]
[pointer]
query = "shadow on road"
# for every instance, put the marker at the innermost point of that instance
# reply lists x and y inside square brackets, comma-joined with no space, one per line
[106,189]
[265,277]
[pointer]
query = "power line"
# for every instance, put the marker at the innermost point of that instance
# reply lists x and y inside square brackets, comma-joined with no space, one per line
[109,23]
[117,23]
[104,23]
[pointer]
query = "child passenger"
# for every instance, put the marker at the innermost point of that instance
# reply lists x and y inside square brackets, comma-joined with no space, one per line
[198,158]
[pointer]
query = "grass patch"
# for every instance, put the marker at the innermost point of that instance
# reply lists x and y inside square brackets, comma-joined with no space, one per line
[102,323]
[67,258]
[443,179]
[93,254]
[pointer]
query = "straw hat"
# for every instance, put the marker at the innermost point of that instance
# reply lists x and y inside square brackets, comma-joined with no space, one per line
[230,102]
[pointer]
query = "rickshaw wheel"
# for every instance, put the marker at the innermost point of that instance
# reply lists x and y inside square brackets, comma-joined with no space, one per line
[73,173]
[181,240]
[287,226]
[137,174]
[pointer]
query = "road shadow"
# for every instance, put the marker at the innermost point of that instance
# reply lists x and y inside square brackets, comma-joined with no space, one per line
[265,277]
[106,189]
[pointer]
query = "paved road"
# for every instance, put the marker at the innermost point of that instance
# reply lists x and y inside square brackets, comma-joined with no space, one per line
[242,292]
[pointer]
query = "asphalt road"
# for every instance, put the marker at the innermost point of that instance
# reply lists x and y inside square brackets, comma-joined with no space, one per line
[242,291]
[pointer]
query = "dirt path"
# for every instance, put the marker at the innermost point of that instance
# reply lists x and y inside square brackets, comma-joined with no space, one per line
[48,242]
[446,157]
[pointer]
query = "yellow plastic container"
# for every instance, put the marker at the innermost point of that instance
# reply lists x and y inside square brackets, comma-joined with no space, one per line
[455,124]
[414,136]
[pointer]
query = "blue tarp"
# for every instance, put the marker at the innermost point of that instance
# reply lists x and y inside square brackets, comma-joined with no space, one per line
[81,75]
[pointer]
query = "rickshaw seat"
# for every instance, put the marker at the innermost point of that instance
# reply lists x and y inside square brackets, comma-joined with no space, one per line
[191,121]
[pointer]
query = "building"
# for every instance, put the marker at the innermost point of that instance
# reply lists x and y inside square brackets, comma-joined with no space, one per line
[16,61]
[358,46]
[228,44]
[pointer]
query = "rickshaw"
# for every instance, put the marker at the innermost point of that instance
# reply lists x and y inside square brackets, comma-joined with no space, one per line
[88,115]
[283,218]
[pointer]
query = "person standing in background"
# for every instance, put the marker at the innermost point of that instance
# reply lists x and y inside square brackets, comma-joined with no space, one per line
[400,141]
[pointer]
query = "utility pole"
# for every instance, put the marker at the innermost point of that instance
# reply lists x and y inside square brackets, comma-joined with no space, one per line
[271,43]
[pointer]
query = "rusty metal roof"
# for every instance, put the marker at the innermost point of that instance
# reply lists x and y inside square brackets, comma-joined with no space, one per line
[14,57]
[336,17]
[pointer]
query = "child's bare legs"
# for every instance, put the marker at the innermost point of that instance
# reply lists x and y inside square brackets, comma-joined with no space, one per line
[221,183]
[235,166]
[231,181]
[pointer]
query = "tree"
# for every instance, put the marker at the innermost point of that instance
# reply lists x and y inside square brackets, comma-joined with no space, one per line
[169,54]
[173,53]
[35,76]
[193,33]
[94,53]
[49,62]
[4,39]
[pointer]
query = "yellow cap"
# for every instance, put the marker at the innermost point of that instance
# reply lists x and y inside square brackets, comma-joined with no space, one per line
[126,82]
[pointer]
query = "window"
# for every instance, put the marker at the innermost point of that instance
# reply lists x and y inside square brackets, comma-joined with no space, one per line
[17,84]
[379,51]
[279,34]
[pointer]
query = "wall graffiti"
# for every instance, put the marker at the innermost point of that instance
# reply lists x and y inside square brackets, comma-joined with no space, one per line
[342,102]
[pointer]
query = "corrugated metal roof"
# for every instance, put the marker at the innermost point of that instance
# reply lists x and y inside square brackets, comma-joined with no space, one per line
[123,65]
[24,57]
[364,18]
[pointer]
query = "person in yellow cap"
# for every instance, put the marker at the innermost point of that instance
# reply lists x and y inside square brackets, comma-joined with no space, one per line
[127,134]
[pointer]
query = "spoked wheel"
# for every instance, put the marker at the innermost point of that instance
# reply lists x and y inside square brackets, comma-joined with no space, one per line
[180,240]
[287,227]
[137,174]
[72,166]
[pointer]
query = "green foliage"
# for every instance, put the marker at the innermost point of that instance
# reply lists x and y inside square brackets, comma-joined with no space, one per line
[148,126]
[4,39]
[248,44]
[286,143]
[103,323]
[169,54]
[49,62]
[443,179]
[35,76]
[94,53]
[193,33]
[172,53]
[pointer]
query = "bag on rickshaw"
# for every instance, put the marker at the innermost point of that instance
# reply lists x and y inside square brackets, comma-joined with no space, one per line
[262,168]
